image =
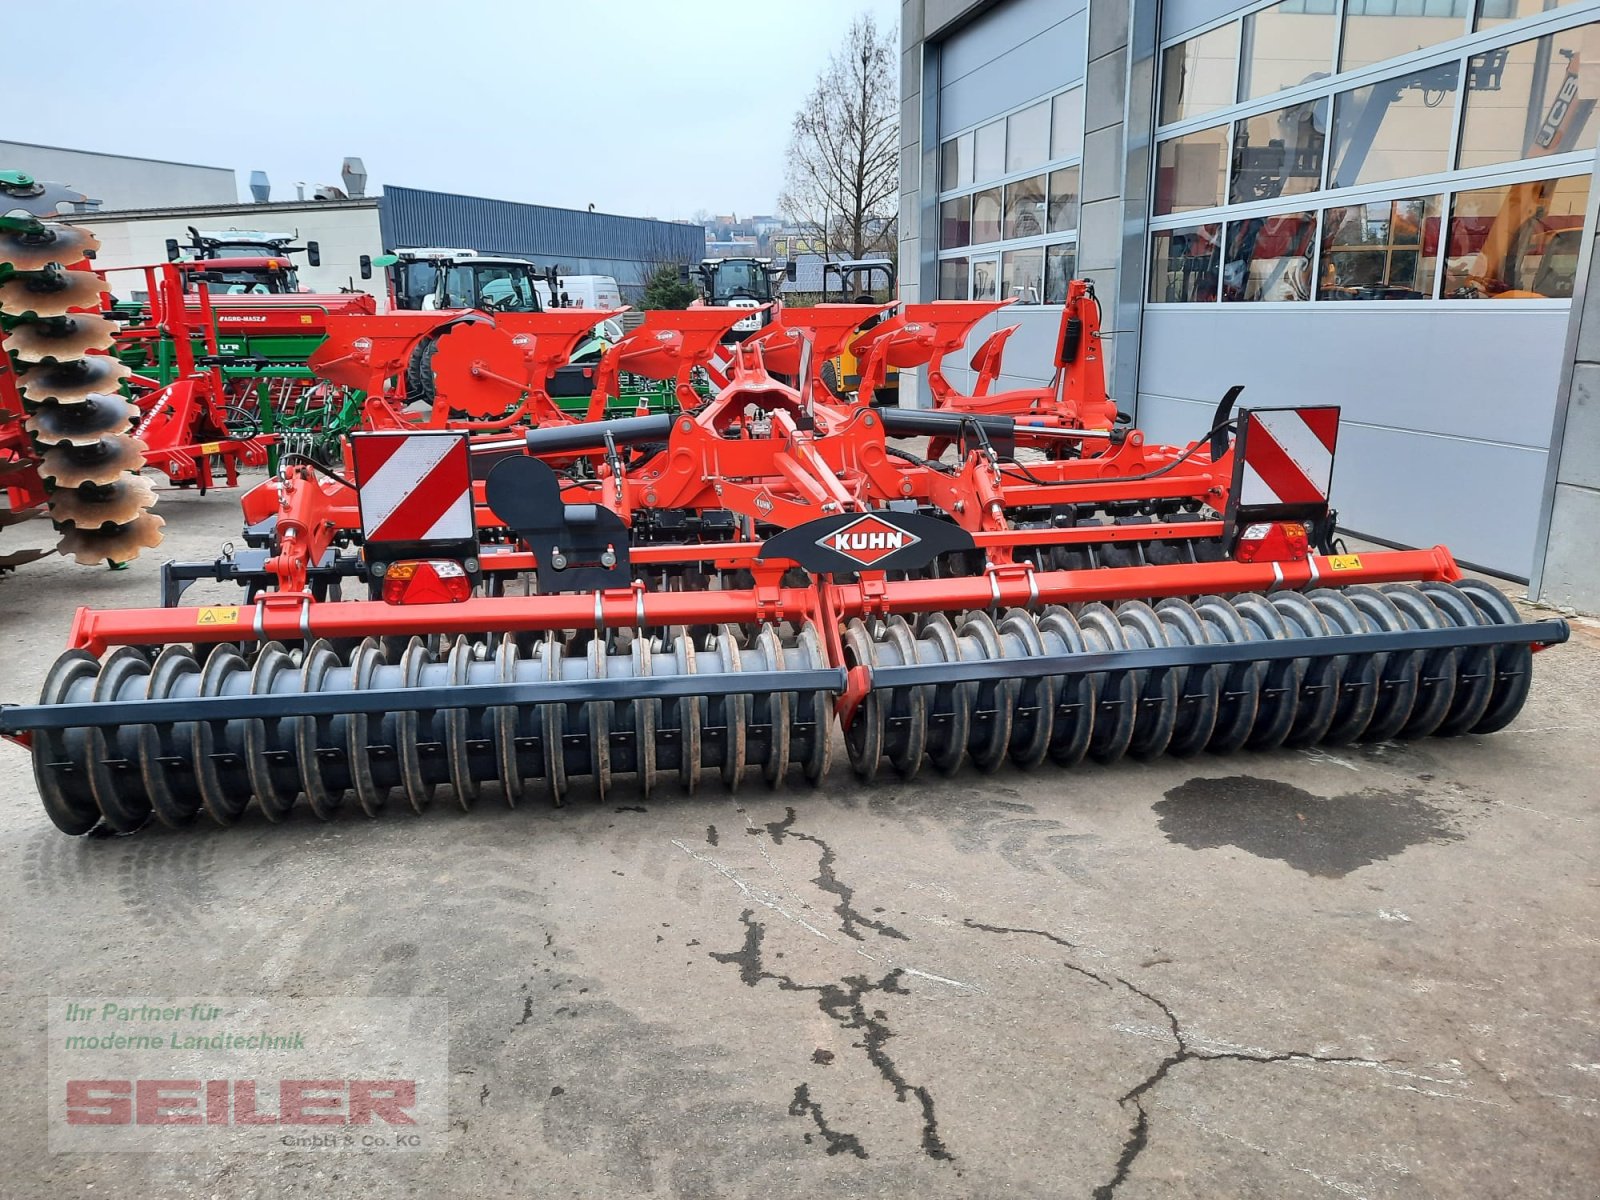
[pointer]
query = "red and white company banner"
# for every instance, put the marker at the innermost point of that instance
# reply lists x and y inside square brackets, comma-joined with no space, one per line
[1288,456]
[415,487]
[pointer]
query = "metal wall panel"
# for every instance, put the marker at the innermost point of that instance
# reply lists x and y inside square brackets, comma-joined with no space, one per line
[1447,412]
[579,242]
[1008,56]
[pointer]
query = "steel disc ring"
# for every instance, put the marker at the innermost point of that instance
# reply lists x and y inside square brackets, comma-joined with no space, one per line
[124,808]
[989,752]
[1119,694]
[68,799]
[1077,697]
[225,787]
[419,791]
[776,764]
[175,803]
[946,754]
[735,712]
[325,801]
[506,724]
[364,664]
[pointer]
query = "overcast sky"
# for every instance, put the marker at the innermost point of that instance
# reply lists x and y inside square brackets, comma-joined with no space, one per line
[646,107]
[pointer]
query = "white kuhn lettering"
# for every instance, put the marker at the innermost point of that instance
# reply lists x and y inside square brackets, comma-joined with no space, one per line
[848,540]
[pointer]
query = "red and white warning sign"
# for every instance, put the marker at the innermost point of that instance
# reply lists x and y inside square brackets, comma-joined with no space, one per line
[414,487]
[719,365]
[868,539]
[1288,456]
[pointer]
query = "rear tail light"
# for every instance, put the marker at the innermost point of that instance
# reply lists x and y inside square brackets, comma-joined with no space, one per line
[426,581]
[1273,541]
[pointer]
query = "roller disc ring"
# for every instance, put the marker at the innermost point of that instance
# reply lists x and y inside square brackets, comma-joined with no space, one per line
[554,719]
[906,754]
[1436,685]
[364,664]
[120,795]
[275,787]
[68,799]
[598,714]
[1513,665]
[953,702]
[776,764]
[1319,681]
[1117,702]
[1200,691]
[1157,690]
[1280,687]
[1474,666]
[311,732]
[506,723]
[863,736]
[176,802]
[217,747]
[735,711]
[988,746]
[419,791]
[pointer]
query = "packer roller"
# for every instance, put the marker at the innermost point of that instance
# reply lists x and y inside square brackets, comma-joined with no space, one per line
[718,594]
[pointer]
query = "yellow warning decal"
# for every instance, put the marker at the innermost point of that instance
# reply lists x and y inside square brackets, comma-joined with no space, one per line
[305,318]
[217,616]
[1345,562]
[210,447]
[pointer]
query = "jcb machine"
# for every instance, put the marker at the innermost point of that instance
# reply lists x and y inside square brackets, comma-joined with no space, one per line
[858,281]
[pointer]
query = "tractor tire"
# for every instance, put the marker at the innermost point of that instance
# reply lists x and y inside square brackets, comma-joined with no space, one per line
[419,369]
[830,378]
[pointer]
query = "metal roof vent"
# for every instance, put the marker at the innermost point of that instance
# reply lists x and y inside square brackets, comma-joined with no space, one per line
[260,187]
[354,173]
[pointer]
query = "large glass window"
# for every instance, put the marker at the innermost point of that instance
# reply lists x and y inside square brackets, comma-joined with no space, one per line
[1517,241]
[1529,100]
[1286,45]
[986,215]
[955,163]
[1386,250]
[1025,214]
[989,152]
[1028,137]
[1500,12]
[1269,258]
[1060,262]
[1183,264]
[1395,128]
[1279,153]
[1191,171]
[1375,30]
[1063,212]
[1022,276]
[1066,124]
[1197,75]
[985,278]
[953,279]
[955,222]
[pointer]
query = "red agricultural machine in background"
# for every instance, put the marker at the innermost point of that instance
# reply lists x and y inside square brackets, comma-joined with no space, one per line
[709,591]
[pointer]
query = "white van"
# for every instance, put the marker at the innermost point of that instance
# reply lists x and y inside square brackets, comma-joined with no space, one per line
[590,291]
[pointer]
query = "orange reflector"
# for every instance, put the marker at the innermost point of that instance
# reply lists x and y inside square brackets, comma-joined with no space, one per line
[426,581]
[1273,541]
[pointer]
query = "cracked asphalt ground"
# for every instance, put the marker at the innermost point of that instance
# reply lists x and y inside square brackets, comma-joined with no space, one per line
[1364,973]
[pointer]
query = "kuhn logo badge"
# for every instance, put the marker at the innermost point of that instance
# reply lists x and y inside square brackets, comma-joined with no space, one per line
[868,539]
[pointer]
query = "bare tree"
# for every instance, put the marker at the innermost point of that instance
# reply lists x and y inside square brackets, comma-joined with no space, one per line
[842,180]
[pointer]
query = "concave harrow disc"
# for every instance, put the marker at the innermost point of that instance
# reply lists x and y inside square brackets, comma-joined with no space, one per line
[73,380]
[28,251]
[114,503]
[51,293]
[101,461]
[83,423]
[65,337]
[123,774]
[112,543]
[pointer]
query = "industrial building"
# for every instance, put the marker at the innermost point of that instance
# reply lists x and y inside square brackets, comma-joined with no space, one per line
[143,202]
[1380,204]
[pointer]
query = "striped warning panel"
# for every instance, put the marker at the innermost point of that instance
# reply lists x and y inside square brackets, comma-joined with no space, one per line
[718,366]
[1288,456]
[414,487]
